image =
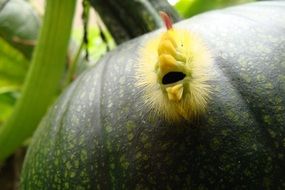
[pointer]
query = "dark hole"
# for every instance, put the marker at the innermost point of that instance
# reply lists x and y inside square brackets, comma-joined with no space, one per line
[173,77]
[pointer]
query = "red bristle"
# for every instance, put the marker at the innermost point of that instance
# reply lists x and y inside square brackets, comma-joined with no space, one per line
[166,19]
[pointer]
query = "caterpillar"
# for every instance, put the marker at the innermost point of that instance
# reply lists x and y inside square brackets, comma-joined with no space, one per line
[173,70]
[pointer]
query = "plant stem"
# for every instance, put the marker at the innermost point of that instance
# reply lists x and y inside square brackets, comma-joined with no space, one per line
[43,77]
[74,63]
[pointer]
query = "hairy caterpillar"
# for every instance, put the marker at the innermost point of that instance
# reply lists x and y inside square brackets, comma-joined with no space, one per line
[173,71]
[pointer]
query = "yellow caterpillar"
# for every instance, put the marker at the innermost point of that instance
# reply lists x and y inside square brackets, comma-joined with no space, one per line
[173,71]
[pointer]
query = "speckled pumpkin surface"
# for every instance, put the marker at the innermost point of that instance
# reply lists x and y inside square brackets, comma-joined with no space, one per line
[98,135]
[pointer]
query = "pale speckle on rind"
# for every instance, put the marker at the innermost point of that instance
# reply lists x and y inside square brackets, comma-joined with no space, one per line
[109,129]
[82,95]
[74,120]
[83,155]
[215,143]
[68,165]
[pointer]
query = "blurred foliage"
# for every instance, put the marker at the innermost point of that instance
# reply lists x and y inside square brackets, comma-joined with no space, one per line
[189,8]
[19,25]
[13,68]
[96,46]
[18,19]
[7,102]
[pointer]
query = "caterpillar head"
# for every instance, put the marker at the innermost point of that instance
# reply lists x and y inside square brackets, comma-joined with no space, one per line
[173,70]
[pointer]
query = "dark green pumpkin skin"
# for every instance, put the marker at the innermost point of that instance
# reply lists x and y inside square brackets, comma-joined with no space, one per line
[99,136]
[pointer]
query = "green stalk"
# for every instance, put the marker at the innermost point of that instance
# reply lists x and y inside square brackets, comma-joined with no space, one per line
[74,62]
[73,65]
[43,77]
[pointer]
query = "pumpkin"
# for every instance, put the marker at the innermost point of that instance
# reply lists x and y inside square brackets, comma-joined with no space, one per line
[100,134]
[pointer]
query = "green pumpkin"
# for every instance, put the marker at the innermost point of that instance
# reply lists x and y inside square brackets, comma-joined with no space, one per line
[99,135]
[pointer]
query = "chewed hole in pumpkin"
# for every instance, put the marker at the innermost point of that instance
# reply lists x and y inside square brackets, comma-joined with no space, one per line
[173,77]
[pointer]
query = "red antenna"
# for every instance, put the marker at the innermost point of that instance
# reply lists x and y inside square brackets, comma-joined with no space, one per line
[166,19]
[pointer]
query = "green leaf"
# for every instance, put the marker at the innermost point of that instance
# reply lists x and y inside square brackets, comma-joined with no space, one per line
[7,102]
[13,68]
[189,8]
[19,24]
[96,46]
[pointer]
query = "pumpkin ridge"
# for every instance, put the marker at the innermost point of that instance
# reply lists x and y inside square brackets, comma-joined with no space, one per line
[107,183]
[39,141]
[239,84]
